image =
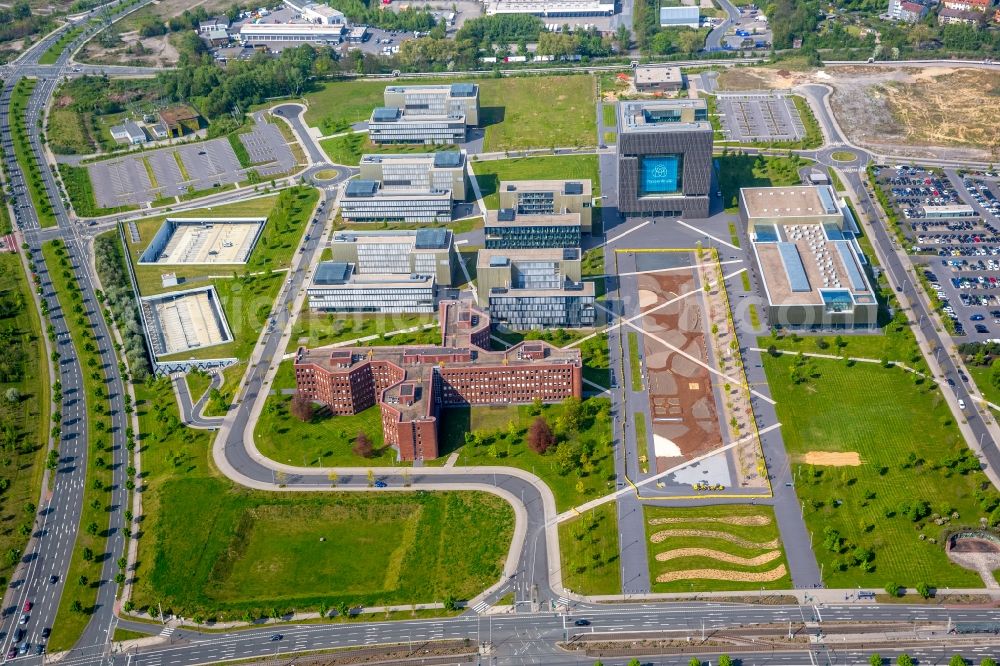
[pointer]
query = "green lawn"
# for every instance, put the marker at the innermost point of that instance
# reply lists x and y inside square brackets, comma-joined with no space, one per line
[198,382]
[720,547]
[25,157]
[895,343]
[736,171]
[609,111]
[489,173]
[349,148]
[635,363]
[255,552]
[25,369]
[315,329]
[981,375]
[579,468]
[84,574]
[588,546]
[325,441]
[509,109]
[910,452]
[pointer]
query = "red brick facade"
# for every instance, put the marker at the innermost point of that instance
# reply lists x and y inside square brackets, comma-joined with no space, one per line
[411,384]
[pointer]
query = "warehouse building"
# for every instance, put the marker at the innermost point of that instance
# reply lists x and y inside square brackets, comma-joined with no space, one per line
[680,17]
[443,170]
[412,384]
[370,201]
[549,197]
[456,99]
[403,252]
[554,8]
[664,158]
[813,270]
[394,125]
[658,78]
[505,230]
[314,33]
[338,287]
[535,288]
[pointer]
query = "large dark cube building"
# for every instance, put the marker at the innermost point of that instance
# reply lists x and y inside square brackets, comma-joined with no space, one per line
[664,158]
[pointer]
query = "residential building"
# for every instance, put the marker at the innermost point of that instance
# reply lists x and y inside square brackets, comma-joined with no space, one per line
[337,287]
[981,6]
[128,132]
[369,201]
[441,100]
[812,269]
[214,23]
[664,158]
[393,125]
[535,288]
[658,78]
[412,384]
[444,170]
[686,16]
[407,252]
[549,197]
[261,33]
[505,229]
[553,8]
[216,37]
[953,16]
[910,11]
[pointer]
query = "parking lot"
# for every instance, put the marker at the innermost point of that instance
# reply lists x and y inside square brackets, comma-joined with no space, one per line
[959,256]
[267,148]
[751,31]
[168,172]
[759,117]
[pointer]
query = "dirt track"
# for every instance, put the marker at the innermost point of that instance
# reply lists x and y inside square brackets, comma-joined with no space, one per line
[723,574]
[832,458]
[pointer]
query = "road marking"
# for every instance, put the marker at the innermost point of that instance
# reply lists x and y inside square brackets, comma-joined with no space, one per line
[715,238]
[167,631]
[481,607]
[622,235]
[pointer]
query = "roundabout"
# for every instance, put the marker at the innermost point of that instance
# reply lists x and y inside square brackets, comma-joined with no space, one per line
[843,156]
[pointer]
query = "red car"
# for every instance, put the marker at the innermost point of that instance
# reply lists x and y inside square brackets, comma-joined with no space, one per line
[27,606]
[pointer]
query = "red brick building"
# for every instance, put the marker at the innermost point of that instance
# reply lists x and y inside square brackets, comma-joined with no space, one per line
[411,384]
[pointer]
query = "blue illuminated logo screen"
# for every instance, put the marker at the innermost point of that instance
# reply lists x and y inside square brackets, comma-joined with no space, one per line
[660,174]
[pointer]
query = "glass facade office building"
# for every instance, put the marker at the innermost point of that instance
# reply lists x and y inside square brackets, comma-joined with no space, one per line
[367,201]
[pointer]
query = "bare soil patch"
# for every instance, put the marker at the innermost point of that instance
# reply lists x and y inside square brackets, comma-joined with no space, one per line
[720,555]
[663,535]
[723,574]
[832,458]
[728,520]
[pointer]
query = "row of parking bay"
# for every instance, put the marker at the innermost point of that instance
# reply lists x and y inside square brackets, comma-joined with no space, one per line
[760,117]
[126,180]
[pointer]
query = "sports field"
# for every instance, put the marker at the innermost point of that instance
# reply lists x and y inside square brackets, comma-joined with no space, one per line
[256,553]
[878,521]
[719,547]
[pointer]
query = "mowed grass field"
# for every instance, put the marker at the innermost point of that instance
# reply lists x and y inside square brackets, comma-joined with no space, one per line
[489,174]
[257,553]
[517,112]
[315,329]
[588,546]
[718,547]
[578,468]
[869,522]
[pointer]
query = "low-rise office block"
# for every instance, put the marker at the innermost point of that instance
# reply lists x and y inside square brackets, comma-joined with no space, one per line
[403,252]
[391,125]
[813,270]
[548,197]
[443,170]
[456,99]
[505,230]
[337,287]
[369,201]
[412,384]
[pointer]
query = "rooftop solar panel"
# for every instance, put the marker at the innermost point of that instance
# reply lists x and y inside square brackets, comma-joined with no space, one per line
[448,159]
[361,188]
[573,188]
[332,272]
[505,215]
[826,199]
[463,89]
[853,272]
[385,114]
[792,262]
[428,239]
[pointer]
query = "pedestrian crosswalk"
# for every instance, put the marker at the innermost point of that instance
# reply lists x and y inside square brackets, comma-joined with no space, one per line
[167,631]
[563,601]
[481,607]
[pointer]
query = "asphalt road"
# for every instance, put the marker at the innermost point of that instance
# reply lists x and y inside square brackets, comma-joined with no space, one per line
[713,42]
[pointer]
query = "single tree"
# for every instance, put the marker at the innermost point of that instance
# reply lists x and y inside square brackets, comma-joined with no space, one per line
[694,661]
[363,446]
[904,660]
[540,436]
[957,660]
[924,590]
[725,660]
[301,408]
[875,660]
